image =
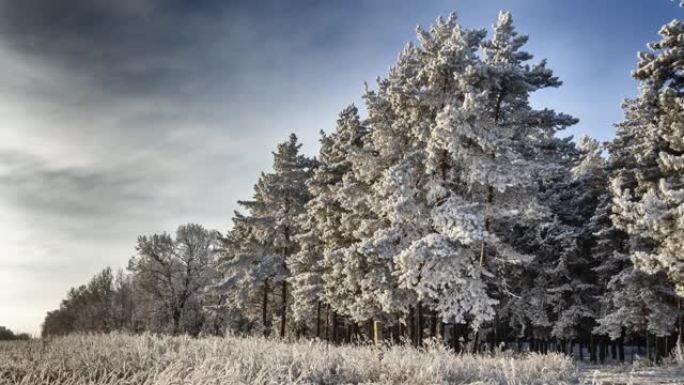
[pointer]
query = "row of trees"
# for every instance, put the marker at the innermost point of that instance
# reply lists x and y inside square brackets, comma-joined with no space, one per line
[8,335]
[451,210]
[163,290]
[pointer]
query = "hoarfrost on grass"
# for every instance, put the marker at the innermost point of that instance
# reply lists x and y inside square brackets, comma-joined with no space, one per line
[148,359]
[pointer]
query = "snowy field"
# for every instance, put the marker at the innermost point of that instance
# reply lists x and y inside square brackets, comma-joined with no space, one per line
[146,360]
[631,375]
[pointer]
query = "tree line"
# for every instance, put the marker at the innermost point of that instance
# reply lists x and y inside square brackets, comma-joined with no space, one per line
[452,210]
[8,335]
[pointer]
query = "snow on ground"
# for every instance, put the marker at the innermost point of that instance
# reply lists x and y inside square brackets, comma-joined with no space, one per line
[631,375]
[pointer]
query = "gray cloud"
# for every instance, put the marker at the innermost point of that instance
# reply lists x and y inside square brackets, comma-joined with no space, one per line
[179,49]
[127,47]
[33,185]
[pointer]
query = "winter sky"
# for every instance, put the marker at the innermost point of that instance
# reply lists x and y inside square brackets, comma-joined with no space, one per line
[119,118]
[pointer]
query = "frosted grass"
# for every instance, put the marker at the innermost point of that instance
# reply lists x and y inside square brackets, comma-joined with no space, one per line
[164,360]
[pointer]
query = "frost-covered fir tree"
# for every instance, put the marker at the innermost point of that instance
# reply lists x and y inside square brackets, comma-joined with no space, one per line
[629,301]
[317,279]
[573,282]
[371,259]
[544,297]
[353,276]
[357,279]
[486,150]
[246,268]
[400,114]
[430,78]
[272,224]
[556,286]
[654,208]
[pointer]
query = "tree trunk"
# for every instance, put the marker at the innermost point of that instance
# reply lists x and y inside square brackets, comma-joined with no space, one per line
[666,341]
[621,346]
[680,323]
[592,349]
[411,326]
[399,332]
[496,332]
[334,327]
[318,320]
[433,326]
[175,317]
[602,349]
[371,323]
[347,332]
[420,324]
[443,331]
[658,349]
[283,317]
[264,310]
[454,339]
[327,322]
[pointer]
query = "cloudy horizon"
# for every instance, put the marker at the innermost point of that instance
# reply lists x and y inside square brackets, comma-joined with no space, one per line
[133,117]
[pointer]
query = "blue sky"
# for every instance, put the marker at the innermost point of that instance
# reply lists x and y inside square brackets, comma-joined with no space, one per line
[132,117]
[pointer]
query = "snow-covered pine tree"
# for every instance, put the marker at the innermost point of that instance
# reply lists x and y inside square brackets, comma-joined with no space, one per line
[646,187]
[356,278]
[550,294]
[392,166]
[631,302]
[360,282]
[486,151]
[654,209]
[306,268]
[380,236]
[252,254]
[245,268]
[428,82]
[567,242]
[279,199]
[257,250]
[315,268]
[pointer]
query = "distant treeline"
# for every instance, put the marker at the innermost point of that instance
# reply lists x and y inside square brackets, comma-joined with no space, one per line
[8,335]
[452,210]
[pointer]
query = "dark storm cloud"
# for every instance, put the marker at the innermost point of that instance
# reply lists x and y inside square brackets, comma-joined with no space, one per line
[176,48]
[127,47]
